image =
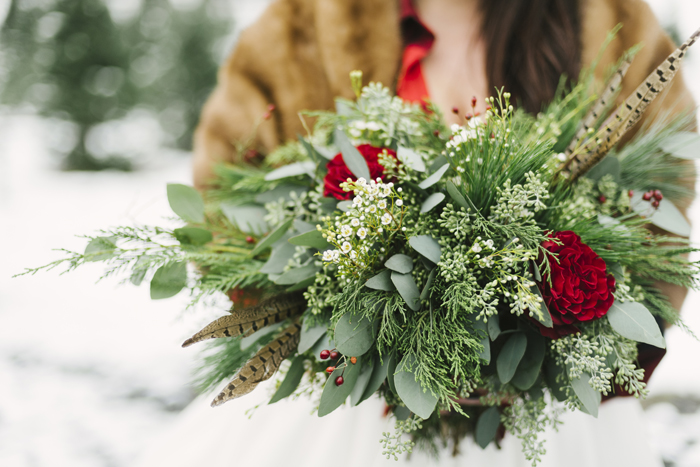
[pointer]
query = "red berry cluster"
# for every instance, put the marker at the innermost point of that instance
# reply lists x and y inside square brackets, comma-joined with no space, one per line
[654,196]
[335,355]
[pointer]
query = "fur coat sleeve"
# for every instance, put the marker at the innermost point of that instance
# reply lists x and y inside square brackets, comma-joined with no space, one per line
[298,56]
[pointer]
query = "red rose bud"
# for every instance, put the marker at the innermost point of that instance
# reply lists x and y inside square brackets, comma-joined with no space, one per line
[602,199]
[488,107]
[335,355]
[330,369]
[250,239]
[579,290]
[339,381]
[647,196]
[469,116]
[657,195]
[338,172]
[436,133]
[630,193]
[655,204]
[455,110]
[474,101]
[325,354]
[353,360]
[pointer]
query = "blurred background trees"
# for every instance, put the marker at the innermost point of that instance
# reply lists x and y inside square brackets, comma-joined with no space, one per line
[110,73]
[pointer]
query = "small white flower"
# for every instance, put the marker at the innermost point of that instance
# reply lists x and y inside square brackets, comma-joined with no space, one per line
[386,219]
[353,255]
[372,209]
[346,247]
[355,222]
[357,201]
[361,181]
[399,202]
[328,255]
[476,248]
[382,204]
[362,232]
[346,231]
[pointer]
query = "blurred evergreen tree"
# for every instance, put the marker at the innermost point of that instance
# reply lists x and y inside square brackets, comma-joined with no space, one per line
[70,60]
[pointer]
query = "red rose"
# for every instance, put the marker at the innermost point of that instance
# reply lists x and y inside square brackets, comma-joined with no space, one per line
[338,172]
[580,289]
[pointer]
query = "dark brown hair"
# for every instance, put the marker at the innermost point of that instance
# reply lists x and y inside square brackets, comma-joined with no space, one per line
[530,45]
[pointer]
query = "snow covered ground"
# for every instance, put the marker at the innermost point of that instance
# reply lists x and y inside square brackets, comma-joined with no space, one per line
[91,374]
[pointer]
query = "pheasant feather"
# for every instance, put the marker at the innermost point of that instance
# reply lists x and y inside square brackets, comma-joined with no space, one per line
[626,114]
[597,109]
[262,366]
[248,320]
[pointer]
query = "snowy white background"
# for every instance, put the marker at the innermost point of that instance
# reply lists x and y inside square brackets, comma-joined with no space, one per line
[90,374]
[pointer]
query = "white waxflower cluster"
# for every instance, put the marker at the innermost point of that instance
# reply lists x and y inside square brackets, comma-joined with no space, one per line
[376,214]
[520,202]
[463,133]
[362,129]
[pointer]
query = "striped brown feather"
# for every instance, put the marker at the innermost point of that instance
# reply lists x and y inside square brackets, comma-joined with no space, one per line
[262,366]
[609,91]
[627,114]
[248,320]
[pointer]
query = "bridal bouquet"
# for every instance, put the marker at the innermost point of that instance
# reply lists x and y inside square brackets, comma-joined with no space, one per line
[476,278]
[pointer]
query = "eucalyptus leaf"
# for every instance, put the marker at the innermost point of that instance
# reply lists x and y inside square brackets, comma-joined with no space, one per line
[168,280]
[487,426]
[291,380]
[407,288]
[353,335]
[401,413]
[381,281]
[535,270]
[292,170]
[510,356]
[557,389]
[314,155]
[429,283]
[485,353]
[434,178]
[546,319]
[616,270]
[186,202]
[431,201]
[280,192]
[419,401]
[667,216]
[249,218]
[457,196]
[308,337]
[379,372]
[301,227]
[272,238]
[333,395]
[531,363]
[400,263]
[494,327]
[282,252]
[411,158]
[589,397]
[363,380]
[351,156]
[683,144]
[100,248]
[193,236]
[296,275]
[344,206]
[312,239]
[427,246]
[391,371]
[634,321]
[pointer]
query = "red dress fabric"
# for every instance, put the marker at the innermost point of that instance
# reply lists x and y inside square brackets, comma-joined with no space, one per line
[411,87]
[418,40]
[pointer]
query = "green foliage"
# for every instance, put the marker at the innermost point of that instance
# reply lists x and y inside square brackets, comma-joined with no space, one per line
[72,61]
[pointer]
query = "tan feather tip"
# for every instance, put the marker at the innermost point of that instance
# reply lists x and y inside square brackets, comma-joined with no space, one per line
[188,342]
[218,401]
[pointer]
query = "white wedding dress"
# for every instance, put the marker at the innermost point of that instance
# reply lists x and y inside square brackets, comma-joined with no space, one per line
[288,434]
